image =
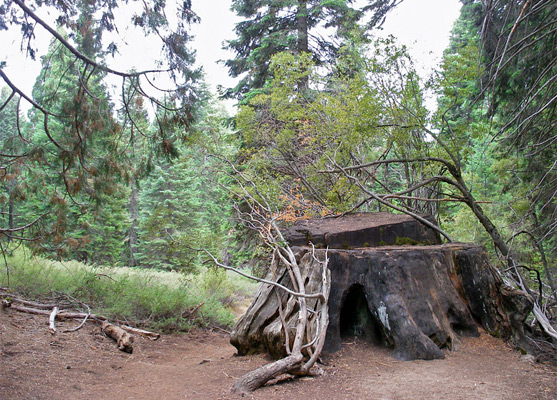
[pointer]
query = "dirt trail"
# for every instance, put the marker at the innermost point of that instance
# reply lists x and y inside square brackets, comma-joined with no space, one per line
[202,365]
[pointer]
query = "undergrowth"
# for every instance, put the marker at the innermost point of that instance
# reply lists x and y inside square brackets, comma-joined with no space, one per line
[160,300]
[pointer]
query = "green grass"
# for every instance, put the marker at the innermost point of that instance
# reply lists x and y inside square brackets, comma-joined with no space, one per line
[158,300]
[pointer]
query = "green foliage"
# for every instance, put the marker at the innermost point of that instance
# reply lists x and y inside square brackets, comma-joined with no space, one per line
[183,204]
[74,177]
[12,183]
[272,27]
[486,99]
[354,112]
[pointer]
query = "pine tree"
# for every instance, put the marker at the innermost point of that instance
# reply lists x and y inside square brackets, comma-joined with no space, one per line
[182,206]
[135,122]
[12,148]
[497,101]
[78,162]
[298,26]
[78,152]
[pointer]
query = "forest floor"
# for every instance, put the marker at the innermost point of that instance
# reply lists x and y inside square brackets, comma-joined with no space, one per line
[202,365]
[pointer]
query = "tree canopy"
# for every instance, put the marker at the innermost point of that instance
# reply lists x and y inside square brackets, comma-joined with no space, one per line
[317,27]
[73,151]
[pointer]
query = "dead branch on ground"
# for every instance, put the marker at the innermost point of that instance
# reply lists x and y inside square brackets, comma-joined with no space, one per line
[123,339]
[55,312]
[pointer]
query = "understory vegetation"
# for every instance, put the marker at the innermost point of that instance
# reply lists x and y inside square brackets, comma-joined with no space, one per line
[155,299]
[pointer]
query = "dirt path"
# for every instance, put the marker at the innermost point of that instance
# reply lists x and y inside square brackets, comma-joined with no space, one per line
[202,365]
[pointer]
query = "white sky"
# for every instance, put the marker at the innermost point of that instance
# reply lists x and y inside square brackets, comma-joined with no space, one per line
[422,25]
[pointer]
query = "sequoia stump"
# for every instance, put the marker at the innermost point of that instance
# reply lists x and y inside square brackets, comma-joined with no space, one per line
[392,283]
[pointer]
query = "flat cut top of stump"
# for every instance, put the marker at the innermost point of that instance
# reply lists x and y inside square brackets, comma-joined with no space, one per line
[362,230]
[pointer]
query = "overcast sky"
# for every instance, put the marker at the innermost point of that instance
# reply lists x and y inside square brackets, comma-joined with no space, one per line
[423,25]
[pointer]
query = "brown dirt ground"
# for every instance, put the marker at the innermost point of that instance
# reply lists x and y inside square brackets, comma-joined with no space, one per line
[202,365]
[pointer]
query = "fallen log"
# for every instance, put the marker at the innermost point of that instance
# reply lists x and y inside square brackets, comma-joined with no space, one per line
[257,378]
[123,339]
[13,298]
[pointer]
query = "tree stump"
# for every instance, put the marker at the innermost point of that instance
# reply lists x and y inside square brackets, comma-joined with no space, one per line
[407,292]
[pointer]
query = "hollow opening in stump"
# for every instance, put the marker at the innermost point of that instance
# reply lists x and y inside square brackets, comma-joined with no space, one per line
[356,320]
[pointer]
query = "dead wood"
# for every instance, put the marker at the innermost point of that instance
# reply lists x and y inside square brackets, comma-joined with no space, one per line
[307,333]
[62,315]
[79,326]
[123,339]
[257,378]
[148,334]
[6,304]
[188,314]
[13,298]
[51,320]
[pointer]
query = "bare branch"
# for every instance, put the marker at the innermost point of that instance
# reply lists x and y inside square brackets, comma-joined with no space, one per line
[73,50]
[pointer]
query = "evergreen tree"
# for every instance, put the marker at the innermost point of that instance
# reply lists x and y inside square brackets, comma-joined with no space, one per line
[182,205]
[270,27]
[135,121]
[78,161]
[497,101]
[78,151]
[12,150]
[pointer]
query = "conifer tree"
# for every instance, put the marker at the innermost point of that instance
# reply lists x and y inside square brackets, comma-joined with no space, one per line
[13,169]
[78,150]
[78,162]
[182,206]
[296,26]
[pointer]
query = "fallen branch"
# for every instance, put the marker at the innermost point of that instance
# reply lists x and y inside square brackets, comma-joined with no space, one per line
[79,326]
[34,304]
[189,313]
[82,322]
[62,315]
[51,320]
[123,339]
[257,378]
[148,334]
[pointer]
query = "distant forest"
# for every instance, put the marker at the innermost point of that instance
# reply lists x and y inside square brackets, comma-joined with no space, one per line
[330,120]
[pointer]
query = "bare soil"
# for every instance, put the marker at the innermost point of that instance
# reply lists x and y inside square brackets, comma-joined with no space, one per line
[202,365]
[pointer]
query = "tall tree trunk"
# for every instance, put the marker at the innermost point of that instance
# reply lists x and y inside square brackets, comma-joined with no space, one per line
[11,224]
[302,22]
[303,40]
[132,234]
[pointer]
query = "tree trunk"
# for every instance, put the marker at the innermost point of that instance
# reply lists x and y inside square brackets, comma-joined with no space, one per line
[538,244]
[303,41]
[132,233]
[11,224]
[414,299]
[257,378]
[302,26]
